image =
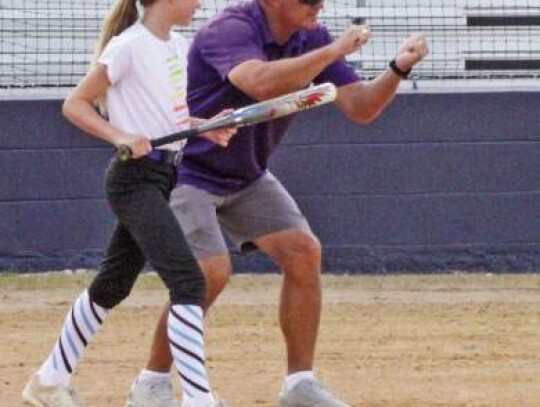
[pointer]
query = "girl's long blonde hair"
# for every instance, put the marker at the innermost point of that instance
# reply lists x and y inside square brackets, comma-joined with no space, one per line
[122,15]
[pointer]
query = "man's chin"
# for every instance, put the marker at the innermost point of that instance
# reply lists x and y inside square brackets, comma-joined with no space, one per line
[311,25]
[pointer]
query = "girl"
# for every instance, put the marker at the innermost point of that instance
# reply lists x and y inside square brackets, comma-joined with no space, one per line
[141,72]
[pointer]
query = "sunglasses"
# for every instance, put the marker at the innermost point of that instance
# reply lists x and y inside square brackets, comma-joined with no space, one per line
[310,2]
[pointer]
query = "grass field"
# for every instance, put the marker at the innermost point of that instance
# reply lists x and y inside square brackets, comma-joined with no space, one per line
[456,340]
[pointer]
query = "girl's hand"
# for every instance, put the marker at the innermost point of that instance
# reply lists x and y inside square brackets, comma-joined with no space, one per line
[139,144]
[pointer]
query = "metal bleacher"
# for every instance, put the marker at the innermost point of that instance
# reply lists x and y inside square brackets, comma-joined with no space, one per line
[48,43]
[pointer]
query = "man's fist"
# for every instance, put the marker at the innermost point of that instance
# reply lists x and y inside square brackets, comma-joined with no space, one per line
[411,51]
[353,38]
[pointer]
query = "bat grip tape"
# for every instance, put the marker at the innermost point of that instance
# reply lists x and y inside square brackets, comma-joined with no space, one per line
[174,137]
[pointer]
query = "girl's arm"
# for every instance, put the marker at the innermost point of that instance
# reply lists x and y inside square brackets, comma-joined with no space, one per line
[79,109]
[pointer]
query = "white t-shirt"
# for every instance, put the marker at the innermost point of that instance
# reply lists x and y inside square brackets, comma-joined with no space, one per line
[148,78]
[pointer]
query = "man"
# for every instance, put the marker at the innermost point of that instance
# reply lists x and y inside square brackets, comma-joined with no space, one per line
[251,52]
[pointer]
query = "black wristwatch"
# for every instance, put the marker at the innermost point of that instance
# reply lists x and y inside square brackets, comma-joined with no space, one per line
[399,72]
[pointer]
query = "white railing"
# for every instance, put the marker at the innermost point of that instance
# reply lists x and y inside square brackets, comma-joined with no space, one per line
[49,43]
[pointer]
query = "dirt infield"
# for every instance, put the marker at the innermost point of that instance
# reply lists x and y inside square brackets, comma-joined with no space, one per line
[401,341]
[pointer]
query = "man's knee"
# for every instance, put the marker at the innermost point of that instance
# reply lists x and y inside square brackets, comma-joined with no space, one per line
[302,247]
[300,258]
[310,246]
[218,271]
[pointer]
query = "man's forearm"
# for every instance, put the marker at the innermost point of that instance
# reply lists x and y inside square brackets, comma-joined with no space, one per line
[265,80]
[364,101]
[381,91]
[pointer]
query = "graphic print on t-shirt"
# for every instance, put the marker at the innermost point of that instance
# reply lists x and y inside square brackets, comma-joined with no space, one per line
[177,77]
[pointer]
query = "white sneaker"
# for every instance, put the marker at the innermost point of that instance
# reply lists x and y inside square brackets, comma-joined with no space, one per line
[39,395]
[309,393]
[217,403]
[154,392]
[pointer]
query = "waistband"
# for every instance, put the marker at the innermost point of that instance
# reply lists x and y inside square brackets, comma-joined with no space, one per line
[165,156]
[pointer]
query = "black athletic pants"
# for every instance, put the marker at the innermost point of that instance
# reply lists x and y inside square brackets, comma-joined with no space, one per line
[138,193]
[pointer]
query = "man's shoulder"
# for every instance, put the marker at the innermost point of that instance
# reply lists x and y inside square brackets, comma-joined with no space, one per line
[241,8]
[237,15]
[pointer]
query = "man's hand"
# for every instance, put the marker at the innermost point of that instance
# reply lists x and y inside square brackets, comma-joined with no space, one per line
[411,51]
[352,39]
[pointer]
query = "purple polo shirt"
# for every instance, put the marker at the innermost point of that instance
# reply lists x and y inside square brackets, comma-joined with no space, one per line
[240,33]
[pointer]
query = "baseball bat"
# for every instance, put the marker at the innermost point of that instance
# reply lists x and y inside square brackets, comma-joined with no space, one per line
[252,114]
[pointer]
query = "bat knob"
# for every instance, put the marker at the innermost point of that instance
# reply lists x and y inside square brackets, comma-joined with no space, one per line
[124,153]
[358,21]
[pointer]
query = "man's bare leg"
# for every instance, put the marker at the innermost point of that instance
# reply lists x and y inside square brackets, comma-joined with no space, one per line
[298,254]
[217,271]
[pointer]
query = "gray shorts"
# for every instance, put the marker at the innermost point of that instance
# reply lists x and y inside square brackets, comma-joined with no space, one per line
[262,208]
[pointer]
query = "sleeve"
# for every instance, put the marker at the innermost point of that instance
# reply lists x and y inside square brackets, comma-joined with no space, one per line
[117,57]
[340,72]
[229,43]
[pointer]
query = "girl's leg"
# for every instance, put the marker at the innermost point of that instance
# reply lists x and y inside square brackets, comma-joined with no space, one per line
[185,328]
[113,283]
[82,323]
[183,277]
[146,213]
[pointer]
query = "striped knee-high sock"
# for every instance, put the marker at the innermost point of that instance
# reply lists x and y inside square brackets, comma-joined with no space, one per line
[80,326]
[185,329]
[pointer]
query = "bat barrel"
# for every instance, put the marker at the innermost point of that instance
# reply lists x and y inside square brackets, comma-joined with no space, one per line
[288,104]
[231,120]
